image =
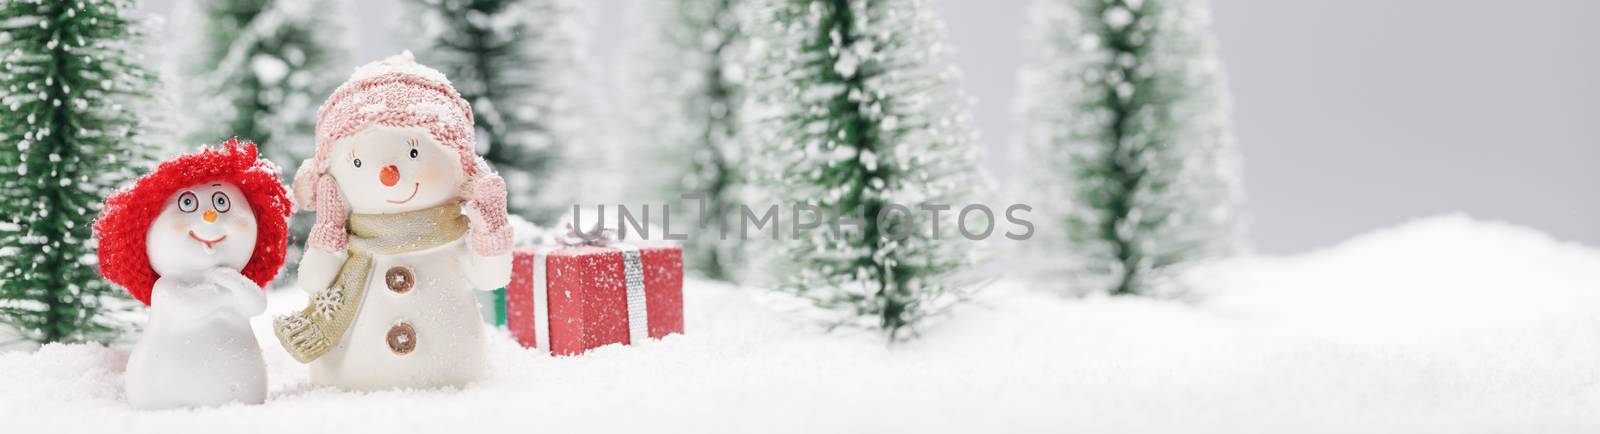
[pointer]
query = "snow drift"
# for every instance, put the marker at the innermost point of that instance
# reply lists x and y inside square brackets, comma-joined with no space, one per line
[1443,325]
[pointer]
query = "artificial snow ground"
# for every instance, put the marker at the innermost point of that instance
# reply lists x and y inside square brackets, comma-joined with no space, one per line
[1445,325]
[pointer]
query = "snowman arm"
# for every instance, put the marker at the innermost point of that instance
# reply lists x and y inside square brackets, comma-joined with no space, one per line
[486,273]
[243,292]
[318,268]
[170,294]
[487,258]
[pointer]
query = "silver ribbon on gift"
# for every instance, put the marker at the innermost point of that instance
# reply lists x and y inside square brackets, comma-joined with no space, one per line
[633,276]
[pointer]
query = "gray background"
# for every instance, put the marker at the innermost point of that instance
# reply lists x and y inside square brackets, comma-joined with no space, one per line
[1352,114]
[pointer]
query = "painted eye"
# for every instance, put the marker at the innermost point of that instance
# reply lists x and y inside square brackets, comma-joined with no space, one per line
[358,163]
[220,202]
[187,202]
[413,153]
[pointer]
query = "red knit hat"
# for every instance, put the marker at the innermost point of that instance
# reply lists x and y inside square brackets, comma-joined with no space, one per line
[125,220]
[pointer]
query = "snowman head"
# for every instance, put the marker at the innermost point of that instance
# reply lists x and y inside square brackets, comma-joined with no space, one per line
[202,226]
[385,170]
[218,207]
[394,138]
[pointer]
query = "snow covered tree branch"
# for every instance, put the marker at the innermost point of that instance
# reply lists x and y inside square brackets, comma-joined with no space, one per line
[261,69]
[75,94]
[1126,127]
[858,114]
[689,92]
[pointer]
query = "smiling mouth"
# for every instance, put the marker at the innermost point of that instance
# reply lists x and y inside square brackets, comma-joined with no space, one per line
[415,186]
[210,244]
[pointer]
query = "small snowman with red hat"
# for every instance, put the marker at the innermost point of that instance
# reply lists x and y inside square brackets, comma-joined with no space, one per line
[410,222]
[196,240]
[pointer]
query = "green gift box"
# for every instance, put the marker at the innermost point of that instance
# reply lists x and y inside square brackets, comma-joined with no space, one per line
[493,306]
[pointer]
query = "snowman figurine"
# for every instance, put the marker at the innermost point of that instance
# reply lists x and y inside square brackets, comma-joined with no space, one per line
[196,240]
[410,222]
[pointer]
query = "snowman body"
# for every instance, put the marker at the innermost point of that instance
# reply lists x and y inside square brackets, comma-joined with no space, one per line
[419,325]
[198,348]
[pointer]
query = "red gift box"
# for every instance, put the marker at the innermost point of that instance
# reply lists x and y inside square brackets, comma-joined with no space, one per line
[587,299]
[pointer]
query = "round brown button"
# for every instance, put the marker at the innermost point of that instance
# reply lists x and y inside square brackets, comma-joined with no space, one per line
[400,279]
[402,338]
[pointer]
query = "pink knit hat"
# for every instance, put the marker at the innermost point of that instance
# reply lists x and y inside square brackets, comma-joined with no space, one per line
[396,92]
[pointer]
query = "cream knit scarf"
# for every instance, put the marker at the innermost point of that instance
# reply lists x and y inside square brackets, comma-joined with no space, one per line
[313,331]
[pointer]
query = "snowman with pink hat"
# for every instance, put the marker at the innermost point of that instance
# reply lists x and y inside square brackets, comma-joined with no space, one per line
[409,223]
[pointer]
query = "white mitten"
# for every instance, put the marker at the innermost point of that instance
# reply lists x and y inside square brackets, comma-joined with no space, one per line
[318,268]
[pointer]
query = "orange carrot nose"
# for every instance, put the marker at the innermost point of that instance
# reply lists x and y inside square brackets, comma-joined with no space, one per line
[389,176]
[210,216]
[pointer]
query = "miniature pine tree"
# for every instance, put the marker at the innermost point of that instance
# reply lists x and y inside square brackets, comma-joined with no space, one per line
[262,69]
[1126,123]
[73,94]
[859,116]
[688,100]
[518,62]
